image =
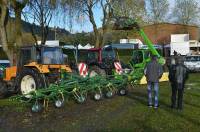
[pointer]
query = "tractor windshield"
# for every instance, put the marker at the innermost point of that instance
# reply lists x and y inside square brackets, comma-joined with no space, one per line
[137,57]
[52,55]
[93,55]
[108,54]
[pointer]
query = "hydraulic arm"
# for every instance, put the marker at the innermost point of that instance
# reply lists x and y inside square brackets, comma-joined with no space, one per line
[130,24]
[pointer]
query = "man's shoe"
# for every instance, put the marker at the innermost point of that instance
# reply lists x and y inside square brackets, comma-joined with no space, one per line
[180,109]
[150,106]
[156,107]
[173,107]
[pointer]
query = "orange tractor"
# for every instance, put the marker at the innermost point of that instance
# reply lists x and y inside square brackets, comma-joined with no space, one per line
[36,68]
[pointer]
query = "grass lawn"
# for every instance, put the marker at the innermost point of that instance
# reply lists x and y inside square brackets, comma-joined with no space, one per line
[128,113]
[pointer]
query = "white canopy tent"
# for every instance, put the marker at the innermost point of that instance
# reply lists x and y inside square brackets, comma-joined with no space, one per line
[88,46]
[69,47]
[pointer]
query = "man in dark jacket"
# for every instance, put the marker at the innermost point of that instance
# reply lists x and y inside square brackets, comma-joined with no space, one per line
[181,75]
[172,71]
[153,73]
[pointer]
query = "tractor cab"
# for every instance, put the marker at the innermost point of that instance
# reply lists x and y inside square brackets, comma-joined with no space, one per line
[100,59]
[94,56]
[109,53]
[97,56]
[45,55]
[140,57]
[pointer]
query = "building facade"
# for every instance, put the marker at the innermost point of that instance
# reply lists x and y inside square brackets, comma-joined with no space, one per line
[161,33]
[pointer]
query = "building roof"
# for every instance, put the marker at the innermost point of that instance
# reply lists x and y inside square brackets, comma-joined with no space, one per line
[161,32]
[124,46]
[167,23]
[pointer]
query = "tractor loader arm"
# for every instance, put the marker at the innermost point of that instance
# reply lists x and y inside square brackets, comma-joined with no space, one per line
[137,75]
[153,50]
[130,24]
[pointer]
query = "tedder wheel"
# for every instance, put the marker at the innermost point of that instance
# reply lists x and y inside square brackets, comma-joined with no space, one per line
[29,80]
[122,91]
[81,99]
[3,89]
[97,96]
[37,107]
[109,94]
[59,103]
[95,70]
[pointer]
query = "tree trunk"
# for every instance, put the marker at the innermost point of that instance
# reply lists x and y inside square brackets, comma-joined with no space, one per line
[42,23]
[96,32]
[18,28]
[18,34]
[3,34]
[107,14]
[6,49]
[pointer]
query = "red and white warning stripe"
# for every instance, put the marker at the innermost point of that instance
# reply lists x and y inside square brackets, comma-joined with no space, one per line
[83,71]
[118,67]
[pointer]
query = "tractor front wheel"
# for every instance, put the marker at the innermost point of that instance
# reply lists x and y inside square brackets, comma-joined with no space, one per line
[29,80]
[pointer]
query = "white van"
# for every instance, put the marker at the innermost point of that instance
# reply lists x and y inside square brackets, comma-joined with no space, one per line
[192,63]
[5,63]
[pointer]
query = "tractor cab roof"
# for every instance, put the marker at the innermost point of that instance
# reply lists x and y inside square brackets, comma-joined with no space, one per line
[39,46]
[94,49]
[107,47]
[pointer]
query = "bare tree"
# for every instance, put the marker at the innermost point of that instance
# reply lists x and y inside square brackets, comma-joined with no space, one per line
[3,23]
[40,12]
[88,10]
[129,8]
[85,8]
[10,47]
[186,11]
[107,9]
[18,6]
[157,10]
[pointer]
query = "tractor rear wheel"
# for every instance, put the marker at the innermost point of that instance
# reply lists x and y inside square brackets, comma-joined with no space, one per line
[95,70]
[3,89]
[30,80]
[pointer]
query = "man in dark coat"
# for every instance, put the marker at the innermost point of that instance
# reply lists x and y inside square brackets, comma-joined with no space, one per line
[172,71]
[153,73]
[181,75]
